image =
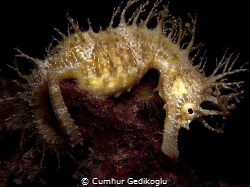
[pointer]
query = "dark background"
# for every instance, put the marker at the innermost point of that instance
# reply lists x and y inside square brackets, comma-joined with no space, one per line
[29,27]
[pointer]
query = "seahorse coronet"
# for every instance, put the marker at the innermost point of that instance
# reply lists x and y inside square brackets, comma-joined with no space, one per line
[111,61]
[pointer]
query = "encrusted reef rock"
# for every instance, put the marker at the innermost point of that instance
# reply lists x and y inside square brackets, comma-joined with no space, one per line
[58,131]
[121,139]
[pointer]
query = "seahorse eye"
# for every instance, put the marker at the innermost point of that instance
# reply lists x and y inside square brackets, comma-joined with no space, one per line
[190,111]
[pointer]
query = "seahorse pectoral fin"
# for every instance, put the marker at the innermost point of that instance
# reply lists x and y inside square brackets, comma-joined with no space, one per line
[170,138]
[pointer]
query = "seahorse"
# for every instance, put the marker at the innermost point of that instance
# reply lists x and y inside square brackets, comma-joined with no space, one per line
[111,61]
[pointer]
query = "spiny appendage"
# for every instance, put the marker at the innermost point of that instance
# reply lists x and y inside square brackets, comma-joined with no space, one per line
[223,93]
[214,89]
[103,71]
[180,33]
[43,86]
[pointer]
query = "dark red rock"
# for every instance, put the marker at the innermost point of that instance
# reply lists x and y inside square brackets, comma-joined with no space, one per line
[121,139]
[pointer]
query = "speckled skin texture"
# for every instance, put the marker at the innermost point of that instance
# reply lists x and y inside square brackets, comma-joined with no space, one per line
[112,61]
[26,160]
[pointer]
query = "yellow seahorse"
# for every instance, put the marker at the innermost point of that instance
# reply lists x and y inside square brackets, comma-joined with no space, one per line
[112,61]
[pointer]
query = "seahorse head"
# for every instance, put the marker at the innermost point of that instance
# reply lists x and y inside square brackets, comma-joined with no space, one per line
[214,91]
[184,100]
[191,95]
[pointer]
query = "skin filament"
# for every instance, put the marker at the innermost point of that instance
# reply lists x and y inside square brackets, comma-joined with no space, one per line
[112,61]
